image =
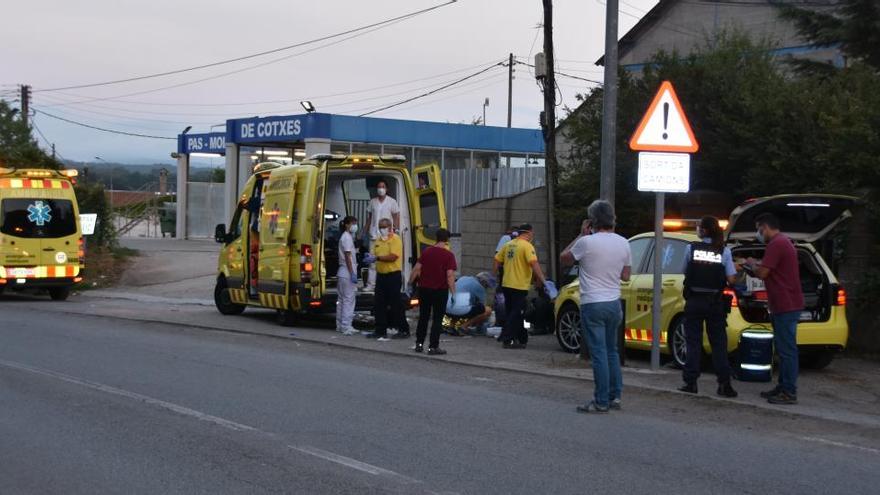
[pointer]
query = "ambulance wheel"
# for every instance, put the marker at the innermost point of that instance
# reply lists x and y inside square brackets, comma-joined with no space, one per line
[59,293]
[223,301]
[287,318]
[677,343]
[568,329]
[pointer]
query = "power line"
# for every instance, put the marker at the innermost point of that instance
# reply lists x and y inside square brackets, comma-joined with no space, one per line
[562,73]
[224,74]
[48,143]
[112,131]
[260,54]
[264,102]
[441,88]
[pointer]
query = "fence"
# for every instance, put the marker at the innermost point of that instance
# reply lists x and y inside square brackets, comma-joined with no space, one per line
[205,209]
[462,187]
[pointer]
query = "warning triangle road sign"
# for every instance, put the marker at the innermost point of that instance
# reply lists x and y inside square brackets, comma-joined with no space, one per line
[664,126]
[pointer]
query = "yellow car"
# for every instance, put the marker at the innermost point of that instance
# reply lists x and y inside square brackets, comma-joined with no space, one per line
[823,329]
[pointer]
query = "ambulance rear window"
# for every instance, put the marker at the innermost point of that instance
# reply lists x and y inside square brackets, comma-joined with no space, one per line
[37,218]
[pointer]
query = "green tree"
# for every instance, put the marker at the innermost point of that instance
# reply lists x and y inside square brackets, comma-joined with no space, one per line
[18,148]
[854,25]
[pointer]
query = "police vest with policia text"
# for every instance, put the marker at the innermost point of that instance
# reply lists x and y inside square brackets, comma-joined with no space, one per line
[705,272]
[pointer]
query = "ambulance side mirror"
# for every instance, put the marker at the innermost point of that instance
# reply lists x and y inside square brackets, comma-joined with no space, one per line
[220,233]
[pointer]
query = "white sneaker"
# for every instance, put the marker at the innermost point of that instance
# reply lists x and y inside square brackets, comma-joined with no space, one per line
[383,339]
[350,331]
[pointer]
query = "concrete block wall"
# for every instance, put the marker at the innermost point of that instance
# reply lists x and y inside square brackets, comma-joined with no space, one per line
[484,222]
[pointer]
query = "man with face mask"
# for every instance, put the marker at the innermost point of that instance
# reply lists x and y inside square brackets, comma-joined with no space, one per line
[346,277]
[388,256]
[780,271]
[381,206]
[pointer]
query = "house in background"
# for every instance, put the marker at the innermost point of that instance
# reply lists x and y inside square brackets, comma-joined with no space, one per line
[683,25]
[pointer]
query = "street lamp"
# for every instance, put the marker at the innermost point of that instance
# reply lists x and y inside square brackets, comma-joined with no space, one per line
[485,104]
[307,106]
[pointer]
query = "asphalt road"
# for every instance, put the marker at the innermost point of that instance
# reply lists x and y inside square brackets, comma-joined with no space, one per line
[99,405]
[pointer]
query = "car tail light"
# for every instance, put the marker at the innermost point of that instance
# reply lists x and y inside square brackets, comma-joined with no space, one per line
[761,295]
[840,300]
[81,251]
[413,302]
[732,295]
[305,263]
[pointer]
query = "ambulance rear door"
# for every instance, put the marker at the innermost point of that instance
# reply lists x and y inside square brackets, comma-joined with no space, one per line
[275,228]
[429,214]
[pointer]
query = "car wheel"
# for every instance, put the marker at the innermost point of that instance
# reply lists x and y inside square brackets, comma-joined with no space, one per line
[677,343]
[223,301]
[568,329]
[816,360]
[59,293]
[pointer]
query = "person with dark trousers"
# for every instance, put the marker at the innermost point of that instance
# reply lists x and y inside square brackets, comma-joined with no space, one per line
[709,268]
[520,263]
[435,272]
[388,256]
[780,271]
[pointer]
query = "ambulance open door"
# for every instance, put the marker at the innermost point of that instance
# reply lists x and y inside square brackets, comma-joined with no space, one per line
[430,211]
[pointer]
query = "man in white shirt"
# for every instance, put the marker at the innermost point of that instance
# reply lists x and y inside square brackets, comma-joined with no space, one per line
[382,206]
[605,260]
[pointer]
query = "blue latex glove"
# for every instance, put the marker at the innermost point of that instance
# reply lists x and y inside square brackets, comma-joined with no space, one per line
[369,258]
[354,279]
[550,289]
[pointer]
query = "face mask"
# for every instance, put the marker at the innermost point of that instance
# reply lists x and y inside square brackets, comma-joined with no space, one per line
[383,233]
[381,191]
[760,236]
[353,229]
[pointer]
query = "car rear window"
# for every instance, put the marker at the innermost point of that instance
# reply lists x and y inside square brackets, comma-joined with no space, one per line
[37,218]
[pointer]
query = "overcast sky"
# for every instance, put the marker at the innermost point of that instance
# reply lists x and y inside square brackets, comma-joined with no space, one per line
[55,43]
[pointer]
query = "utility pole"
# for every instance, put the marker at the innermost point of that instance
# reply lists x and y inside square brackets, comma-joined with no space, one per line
[550,133]
[53,151]
[509,90]
[609,105]
[25,103]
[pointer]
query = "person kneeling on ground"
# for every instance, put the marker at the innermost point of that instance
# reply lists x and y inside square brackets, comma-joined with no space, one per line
[471,292]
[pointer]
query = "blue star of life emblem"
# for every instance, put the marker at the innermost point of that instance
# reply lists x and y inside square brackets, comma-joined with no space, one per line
[39,213]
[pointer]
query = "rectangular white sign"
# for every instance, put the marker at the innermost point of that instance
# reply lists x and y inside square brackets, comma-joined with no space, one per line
[87,221]
[664,172]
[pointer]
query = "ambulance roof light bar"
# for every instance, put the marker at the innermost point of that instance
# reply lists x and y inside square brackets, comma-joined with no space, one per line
[687,223]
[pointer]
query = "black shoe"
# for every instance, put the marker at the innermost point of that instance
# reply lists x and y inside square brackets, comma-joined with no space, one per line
[375,335]
[726,390]
[400,335]
[436,351]
[419,348]
[689,388]
[783,398]
[771,393]
[512,344]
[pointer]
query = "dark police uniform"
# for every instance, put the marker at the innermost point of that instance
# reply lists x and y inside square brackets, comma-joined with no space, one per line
[704,282]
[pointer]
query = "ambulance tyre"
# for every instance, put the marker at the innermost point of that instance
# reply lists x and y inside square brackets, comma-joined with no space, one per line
[287,318]
[59,293]
[223,301]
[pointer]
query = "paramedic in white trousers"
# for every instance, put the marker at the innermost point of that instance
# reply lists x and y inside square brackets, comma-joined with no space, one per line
[346,285]
[382,206]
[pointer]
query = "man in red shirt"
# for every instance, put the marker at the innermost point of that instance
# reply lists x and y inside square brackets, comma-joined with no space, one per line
[435,272]
[780,271]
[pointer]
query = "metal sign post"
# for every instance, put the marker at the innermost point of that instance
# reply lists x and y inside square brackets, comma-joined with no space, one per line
[657,310]
[665,138]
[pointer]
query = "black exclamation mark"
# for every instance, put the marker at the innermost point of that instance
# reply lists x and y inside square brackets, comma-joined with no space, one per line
[665,119]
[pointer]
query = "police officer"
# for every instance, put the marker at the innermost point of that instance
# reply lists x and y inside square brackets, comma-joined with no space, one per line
[709,269]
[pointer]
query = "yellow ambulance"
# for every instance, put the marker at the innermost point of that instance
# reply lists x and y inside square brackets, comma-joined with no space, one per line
[280,249]
[41,243]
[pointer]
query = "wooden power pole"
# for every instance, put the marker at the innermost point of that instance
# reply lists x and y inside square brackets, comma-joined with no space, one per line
[549,125]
